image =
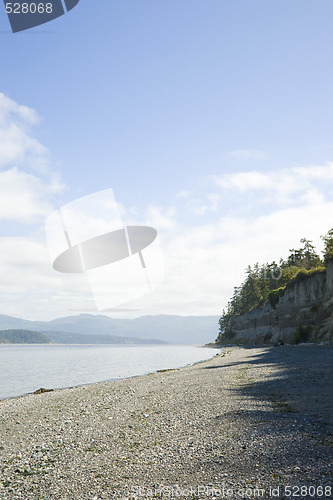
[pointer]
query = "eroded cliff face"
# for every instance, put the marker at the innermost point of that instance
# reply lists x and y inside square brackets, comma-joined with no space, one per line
[307,306]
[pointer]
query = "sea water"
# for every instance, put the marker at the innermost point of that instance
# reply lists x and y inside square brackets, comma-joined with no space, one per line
[25,368]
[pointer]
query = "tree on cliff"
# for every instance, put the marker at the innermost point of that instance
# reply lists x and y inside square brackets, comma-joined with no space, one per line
[328,249]
[267,282]
[306,257]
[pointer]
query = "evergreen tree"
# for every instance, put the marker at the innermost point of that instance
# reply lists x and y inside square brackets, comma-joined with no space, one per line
[267,282]
[328,241]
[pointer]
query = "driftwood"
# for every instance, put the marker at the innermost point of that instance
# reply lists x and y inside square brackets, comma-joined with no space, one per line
[42,389]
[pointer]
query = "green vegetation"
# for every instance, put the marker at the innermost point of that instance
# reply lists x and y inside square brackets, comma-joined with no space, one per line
[301,334]
[305,273]
[274,296]
[22,337]
[328,242]
[268,282]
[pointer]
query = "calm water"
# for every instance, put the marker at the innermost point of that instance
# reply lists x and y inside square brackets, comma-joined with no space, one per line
[25,368]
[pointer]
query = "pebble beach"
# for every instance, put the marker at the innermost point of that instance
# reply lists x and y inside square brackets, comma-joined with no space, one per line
[249,423]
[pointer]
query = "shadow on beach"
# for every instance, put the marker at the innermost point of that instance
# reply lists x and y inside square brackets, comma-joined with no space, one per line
[285,418]
[297,379]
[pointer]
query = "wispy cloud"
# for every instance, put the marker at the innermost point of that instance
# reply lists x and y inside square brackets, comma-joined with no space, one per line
[29,287]
[293,186]
[203,204]
[17,145]
[27,180]
[24,197]
[163,218]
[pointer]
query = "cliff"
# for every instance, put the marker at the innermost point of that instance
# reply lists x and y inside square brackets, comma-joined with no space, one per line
[303,313]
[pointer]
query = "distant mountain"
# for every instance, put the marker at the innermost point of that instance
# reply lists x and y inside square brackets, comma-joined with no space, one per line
[77,338]
[192,330]
[22,337]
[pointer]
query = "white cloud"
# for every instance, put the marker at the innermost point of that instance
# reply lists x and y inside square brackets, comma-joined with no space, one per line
[27,181]
[185,193]
[30,288]
[244,181]
[292,186]
[23,113]
[161,218]
[17,145]
[28,186]
[24,197]
[199,206]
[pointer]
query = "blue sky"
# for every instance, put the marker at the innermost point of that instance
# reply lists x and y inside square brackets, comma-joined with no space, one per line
[211,121]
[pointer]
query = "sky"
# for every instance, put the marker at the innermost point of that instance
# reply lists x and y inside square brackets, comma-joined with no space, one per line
[211,121]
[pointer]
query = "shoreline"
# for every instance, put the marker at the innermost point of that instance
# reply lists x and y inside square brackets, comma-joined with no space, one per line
[56,389]
[248,417]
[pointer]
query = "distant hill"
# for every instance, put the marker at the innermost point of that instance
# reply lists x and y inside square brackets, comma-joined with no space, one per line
[22,337]
[191,330]
[76,338]
[29,337]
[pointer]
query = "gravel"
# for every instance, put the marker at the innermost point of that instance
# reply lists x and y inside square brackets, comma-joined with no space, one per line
[250,423]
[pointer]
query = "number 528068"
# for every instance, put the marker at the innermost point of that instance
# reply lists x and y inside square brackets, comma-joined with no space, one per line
[26,8]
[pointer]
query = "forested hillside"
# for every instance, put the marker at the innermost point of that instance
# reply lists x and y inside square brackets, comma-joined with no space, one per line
[23,337]
[266,284]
